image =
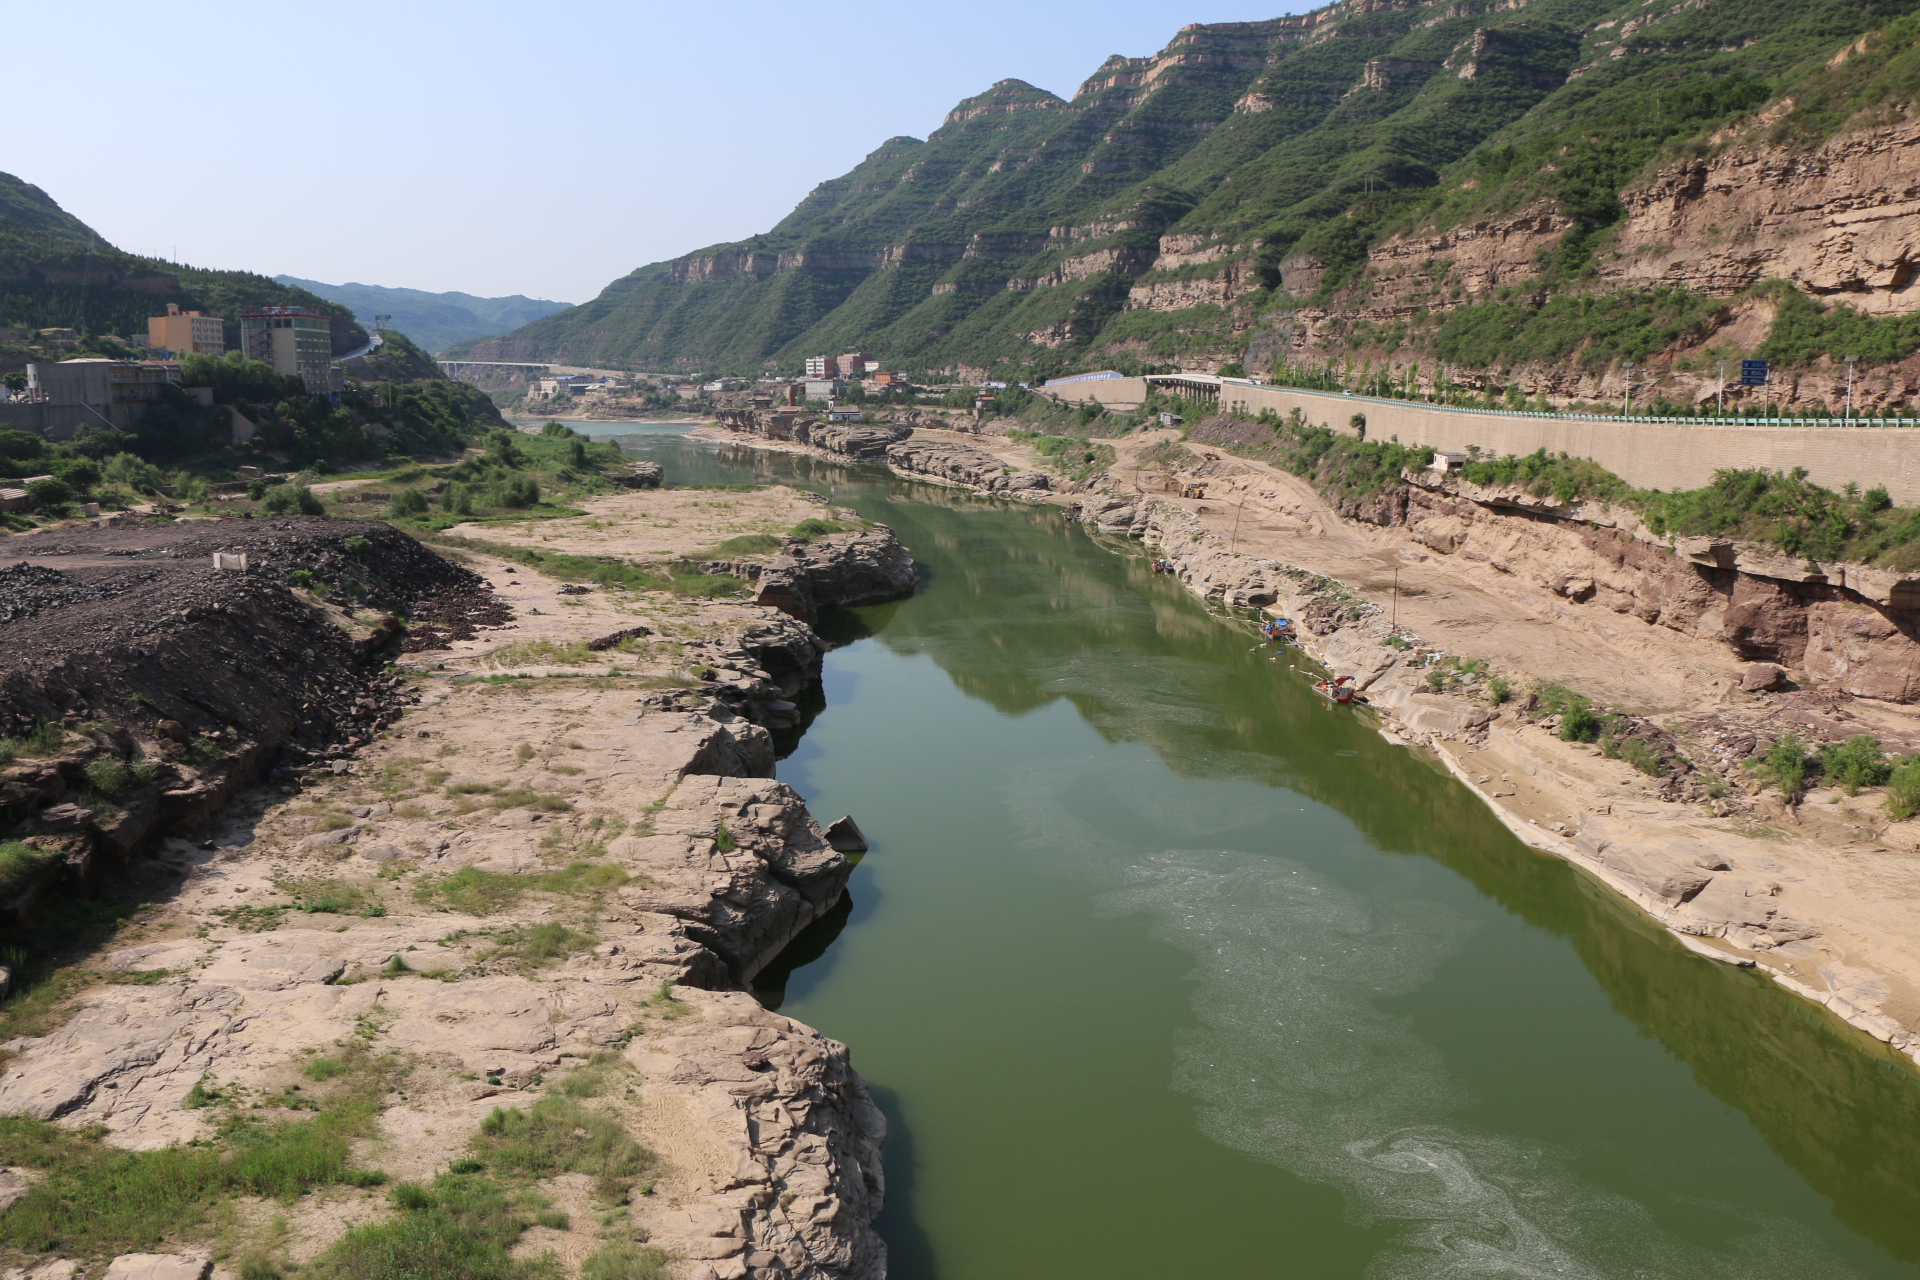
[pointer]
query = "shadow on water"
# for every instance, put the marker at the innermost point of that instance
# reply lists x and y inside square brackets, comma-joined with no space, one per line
[910,1253]
[840,626]
[809,945]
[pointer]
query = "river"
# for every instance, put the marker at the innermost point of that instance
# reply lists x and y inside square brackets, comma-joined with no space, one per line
[1162,968]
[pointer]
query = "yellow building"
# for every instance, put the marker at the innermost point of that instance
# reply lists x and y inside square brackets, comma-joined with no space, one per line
[182,332]
[292,340]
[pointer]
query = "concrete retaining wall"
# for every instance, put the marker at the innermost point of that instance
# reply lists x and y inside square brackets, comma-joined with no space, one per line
[61,422]
[1648,455]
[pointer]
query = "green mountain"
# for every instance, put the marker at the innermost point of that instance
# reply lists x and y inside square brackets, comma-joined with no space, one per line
[436,320]
[1242,183]
[56,272]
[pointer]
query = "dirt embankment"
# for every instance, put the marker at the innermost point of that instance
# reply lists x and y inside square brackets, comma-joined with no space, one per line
[1427,594]
[541,871]
[157,684]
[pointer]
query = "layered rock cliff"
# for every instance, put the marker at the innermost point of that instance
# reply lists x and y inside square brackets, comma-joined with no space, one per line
[1163,211]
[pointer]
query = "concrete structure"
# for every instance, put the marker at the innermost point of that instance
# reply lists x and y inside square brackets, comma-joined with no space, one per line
[1649,453]
[844,415]
[823,389]
[854,364]
[1103,375]
[293,340]
[822,367]
[62,398]
[548,388]
[184,332]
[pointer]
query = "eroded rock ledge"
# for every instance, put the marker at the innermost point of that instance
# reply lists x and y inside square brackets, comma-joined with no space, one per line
[384,909]
[902,446]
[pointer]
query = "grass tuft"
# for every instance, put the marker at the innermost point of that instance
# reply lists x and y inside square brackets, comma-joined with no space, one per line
[531,946]
[460,1228]
[483,893]
[559,1135]
[627,1262]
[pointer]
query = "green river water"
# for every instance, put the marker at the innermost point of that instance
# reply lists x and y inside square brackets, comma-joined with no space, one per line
[1162,968]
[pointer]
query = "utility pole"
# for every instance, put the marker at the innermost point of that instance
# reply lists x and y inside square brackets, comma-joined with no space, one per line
[1234,537]
[1393,619]
[1626,410]
[1720,396]
[1850,363]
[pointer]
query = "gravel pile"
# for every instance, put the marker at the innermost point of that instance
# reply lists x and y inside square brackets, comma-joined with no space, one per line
[457,615]
[30,589]
[392,571]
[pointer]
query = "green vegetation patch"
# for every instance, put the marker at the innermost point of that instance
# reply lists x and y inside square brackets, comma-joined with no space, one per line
[482,893]
[1341,466]
[1779,509]
[319,894]
[462,1227]
[1598,328]
[747,544]
[559,1135]
[44,739]
[627,1262]
[1804,330]
[20,864]
[529,947]
[96,1200]
[1074,456]
[680,577]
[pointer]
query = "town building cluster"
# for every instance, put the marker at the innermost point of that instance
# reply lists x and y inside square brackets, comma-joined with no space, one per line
[63,396]
[854,364]
[574,384]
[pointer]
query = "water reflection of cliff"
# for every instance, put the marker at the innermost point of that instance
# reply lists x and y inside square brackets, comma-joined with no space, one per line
[1039,615]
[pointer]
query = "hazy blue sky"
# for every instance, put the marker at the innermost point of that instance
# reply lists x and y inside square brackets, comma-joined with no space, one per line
[497,147]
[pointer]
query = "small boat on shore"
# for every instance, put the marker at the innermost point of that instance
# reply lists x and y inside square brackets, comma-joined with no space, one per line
[1339,691]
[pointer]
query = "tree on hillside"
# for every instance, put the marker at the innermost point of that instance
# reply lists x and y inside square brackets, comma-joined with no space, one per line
[235,379]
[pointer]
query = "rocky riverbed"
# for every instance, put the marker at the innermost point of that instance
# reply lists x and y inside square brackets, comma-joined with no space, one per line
[539,879]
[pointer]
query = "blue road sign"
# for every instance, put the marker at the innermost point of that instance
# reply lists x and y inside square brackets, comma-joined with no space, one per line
[1753,373]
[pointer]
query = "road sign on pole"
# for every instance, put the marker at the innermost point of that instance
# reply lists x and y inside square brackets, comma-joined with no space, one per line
[1753,373]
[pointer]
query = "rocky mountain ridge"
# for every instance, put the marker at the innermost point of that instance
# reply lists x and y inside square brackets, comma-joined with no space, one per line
[1182,206]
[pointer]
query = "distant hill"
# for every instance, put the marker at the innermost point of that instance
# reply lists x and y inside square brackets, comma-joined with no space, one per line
[56,272]
[1377,181]
[434,320]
